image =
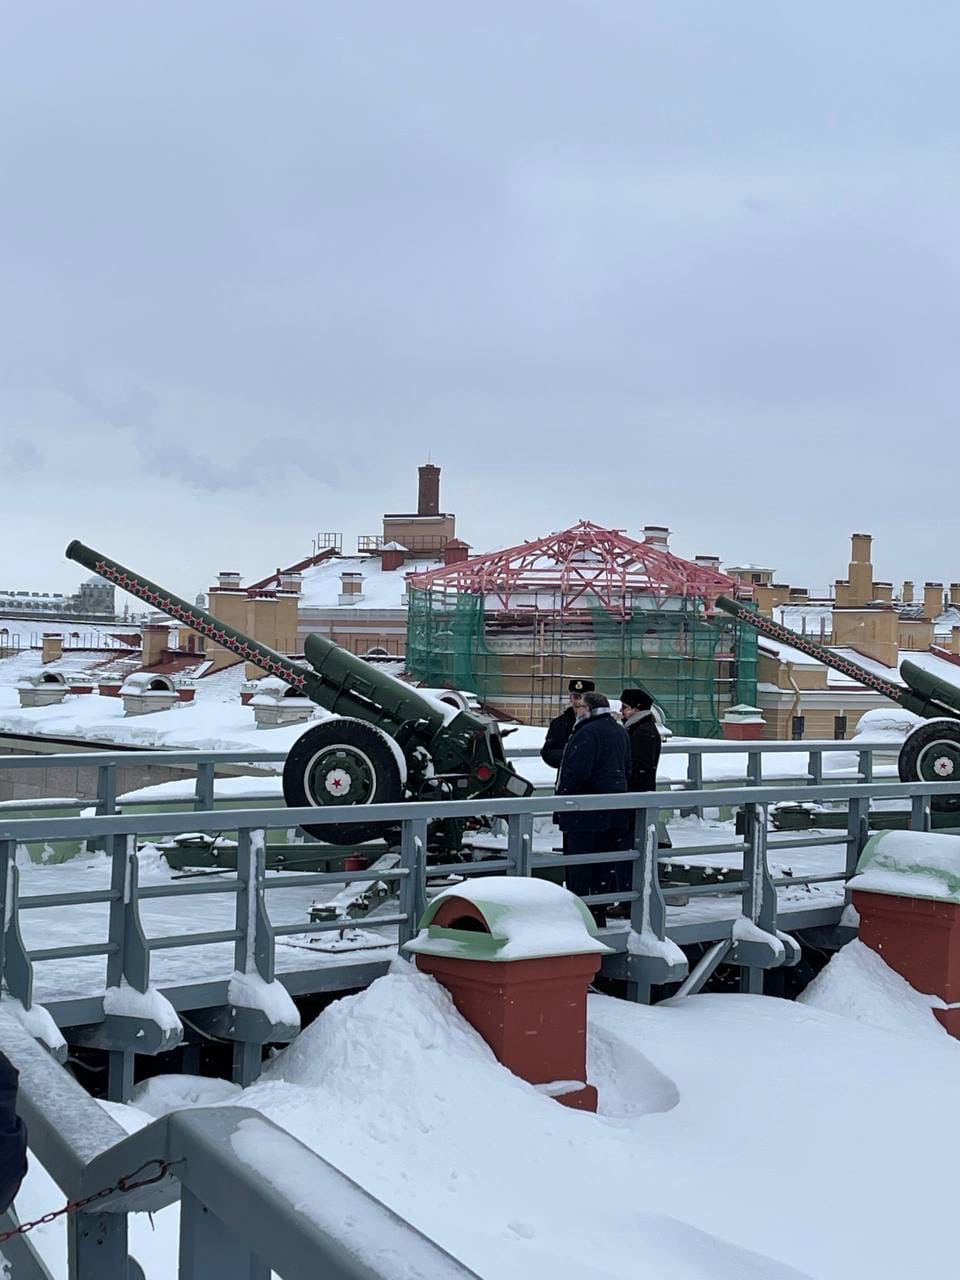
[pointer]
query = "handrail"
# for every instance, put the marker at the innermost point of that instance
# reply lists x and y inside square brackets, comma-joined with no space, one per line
[143,824]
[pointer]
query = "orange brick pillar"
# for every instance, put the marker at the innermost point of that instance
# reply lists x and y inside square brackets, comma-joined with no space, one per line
[917,936]
[517,956]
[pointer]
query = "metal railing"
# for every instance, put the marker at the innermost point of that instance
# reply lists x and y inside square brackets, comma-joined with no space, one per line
[253,1199]
[205,764]
[641,950]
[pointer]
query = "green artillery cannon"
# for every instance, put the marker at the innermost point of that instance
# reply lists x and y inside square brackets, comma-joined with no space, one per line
[390,742]
[931,752]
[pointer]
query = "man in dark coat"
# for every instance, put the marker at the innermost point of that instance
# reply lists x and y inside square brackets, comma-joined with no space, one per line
[595,763]
[13,1136]
[641,726]
[636,710]
[558,735]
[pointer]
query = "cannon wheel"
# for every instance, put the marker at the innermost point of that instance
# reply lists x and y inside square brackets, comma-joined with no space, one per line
[343,762]
[932,754]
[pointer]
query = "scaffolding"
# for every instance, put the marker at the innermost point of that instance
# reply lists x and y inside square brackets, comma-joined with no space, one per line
[514,627]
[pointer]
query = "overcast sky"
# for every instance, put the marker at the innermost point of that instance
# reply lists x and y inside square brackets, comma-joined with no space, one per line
[679,263]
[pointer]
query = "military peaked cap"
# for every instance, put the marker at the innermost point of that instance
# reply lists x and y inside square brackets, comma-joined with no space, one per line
[581,686]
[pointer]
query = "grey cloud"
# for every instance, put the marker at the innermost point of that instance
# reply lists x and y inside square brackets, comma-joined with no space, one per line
[688,264]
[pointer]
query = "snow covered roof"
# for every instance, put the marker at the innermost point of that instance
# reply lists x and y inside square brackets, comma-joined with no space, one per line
[381,589]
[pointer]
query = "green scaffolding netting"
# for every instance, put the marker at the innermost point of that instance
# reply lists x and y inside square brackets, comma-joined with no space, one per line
[693,666]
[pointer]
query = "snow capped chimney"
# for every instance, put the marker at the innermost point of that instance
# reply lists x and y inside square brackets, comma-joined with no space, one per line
[228,581]
[290,582]
[708,562]
[392,556]
[658,534]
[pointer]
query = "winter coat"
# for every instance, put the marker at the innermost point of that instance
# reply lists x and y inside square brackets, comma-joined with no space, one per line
[595,763]
[645,747]
[558,735]
[13,1137]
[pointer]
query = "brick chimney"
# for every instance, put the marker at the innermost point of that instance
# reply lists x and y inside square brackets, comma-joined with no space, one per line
[455,551]
[932,600]
[658,534]
[351,588]
[708,562]
[428,497]
[156,638]
[906,594]
[955,593]
[52,649]
[392,556]
[228,581]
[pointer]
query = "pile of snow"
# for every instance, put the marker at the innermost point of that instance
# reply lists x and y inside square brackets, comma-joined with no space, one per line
[843,1133]
[858,984]
[886,724]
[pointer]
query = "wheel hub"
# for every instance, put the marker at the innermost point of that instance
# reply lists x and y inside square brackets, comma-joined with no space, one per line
[940,762]
[340,775]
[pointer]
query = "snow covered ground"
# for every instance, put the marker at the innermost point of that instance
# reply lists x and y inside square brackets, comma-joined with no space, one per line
[739,1137]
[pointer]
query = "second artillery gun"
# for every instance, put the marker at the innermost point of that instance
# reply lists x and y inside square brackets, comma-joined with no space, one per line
[388,742]
[931,753]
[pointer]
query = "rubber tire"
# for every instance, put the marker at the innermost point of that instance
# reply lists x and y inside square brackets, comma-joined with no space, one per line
[388,787]
[919,741]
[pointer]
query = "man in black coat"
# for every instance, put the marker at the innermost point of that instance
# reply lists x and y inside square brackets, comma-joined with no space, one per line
[558,735]
[13,1136]
[641,726]
[636,709]
[595,763]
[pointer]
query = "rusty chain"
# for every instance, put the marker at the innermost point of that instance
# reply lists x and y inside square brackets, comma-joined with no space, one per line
[129,1182]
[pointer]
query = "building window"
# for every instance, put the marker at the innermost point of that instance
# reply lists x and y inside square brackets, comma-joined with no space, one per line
[840,726]
[756,578]
[796,727]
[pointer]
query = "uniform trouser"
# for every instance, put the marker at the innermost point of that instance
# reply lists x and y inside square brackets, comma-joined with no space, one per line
[594,877]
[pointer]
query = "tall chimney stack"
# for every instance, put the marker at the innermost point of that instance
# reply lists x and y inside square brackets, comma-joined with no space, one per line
[428,497]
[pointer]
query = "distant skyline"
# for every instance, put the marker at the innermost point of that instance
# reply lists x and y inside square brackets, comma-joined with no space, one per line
[638,263]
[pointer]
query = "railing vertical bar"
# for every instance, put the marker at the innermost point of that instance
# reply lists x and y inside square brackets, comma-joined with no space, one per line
[203,792]
[695,779]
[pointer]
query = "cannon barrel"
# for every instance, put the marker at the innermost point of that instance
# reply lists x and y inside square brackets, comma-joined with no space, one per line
[191,615]
[924,695]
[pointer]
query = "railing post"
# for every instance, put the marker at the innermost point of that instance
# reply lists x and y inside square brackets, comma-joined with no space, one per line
[865,765]
[759,903]
[209,1250]
[130,962]
[694,779]
[97,1247]
[815,766]
[106,801]
[204,786]
[520,842]
[254,949]
[858,820]
[754,768]
[920,813]
[16,968]
[413,886]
